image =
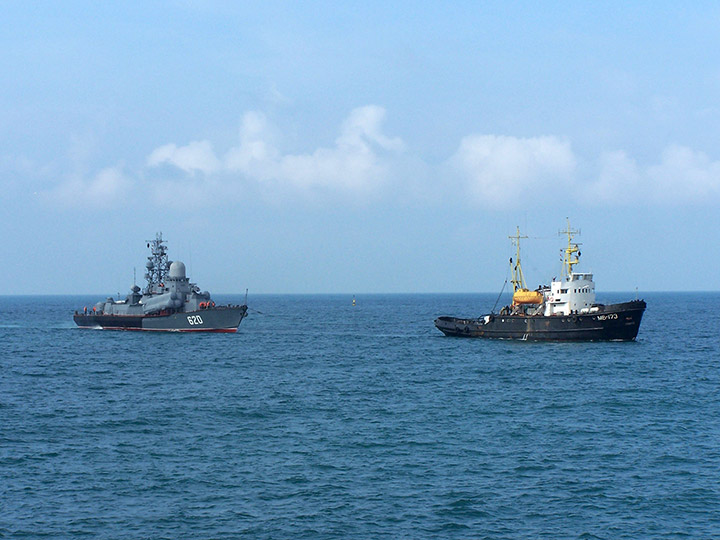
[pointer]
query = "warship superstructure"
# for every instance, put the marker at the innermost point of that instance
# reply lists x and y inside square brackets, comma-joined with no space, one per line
[169,302]
[564,311]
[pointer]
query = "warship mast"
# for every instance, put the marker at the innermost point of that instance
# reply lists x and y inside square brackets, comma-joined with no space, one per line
[157,265]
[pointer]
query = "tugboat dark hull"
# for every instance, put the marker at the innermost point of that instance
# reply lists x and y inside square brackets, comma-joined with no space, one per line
[616,322]
[216,319]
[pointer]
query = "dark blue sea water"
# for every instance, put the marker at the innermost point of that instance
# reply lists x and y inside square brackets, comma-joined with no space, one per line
[323,420]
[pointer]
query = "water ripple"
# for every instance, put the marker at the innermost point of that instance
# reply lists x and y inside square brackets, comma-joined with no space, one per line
[320,420]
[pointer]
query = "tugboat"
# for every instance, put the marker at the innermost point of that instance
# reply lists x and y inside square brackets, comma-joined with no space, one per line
[168,303]
[564,311]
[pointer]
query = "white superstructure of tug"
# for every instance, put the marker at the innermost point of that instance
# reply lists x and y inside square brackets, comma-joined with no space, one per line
[574,292]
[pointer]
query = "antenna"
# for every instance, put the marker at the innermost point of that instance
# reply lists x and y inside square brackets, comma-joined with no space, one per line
[157,265]
[569,258]
[518,280]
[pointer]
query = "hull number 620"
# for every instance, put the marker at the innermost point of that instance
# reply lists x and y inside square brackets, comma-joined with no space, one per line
[194,320]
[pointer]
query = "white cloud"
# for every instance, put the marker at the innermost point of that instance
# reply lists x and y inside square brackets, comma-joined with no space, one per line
[682,176]
[685,175]
[500,170]
[490,170]
[364,125]
[198,156]
[256,155]
[101,191]
[619,179]
[358,161]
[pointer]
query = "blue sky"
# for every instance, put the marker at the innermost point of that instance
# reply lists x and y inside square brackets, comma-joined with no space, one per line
[358,147]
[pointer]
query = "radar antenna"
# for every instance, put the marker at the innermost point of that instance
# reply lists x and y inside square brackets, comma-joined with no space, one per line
[569,257]
[157,265]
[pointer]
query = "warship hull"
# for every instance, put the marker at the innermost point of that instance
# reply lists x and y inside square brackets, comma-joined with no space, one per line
[616,322]
[216,319]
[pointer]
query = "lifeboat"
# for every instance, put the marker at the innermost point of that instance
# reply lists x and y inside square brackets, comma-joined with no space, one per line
[523,296]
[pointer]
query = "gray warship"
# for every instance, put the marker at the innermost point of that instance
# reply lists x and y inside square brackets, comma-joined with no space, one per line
[168,303]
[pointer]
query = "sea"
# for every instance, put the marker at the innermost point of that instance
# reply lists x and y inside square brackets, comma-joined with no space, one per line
[321,420]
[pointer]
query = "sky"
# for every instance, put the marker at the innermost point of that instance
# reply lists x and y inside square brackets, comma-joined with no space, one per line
[358,147]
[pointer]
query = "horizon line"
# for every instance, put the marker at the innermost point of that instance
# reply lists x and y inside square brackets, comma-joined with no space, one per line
[370,293]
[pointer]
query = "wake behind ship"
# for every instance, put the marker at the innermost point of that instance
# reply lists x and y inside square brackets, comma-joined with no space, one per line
[565,311]
[168,303]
